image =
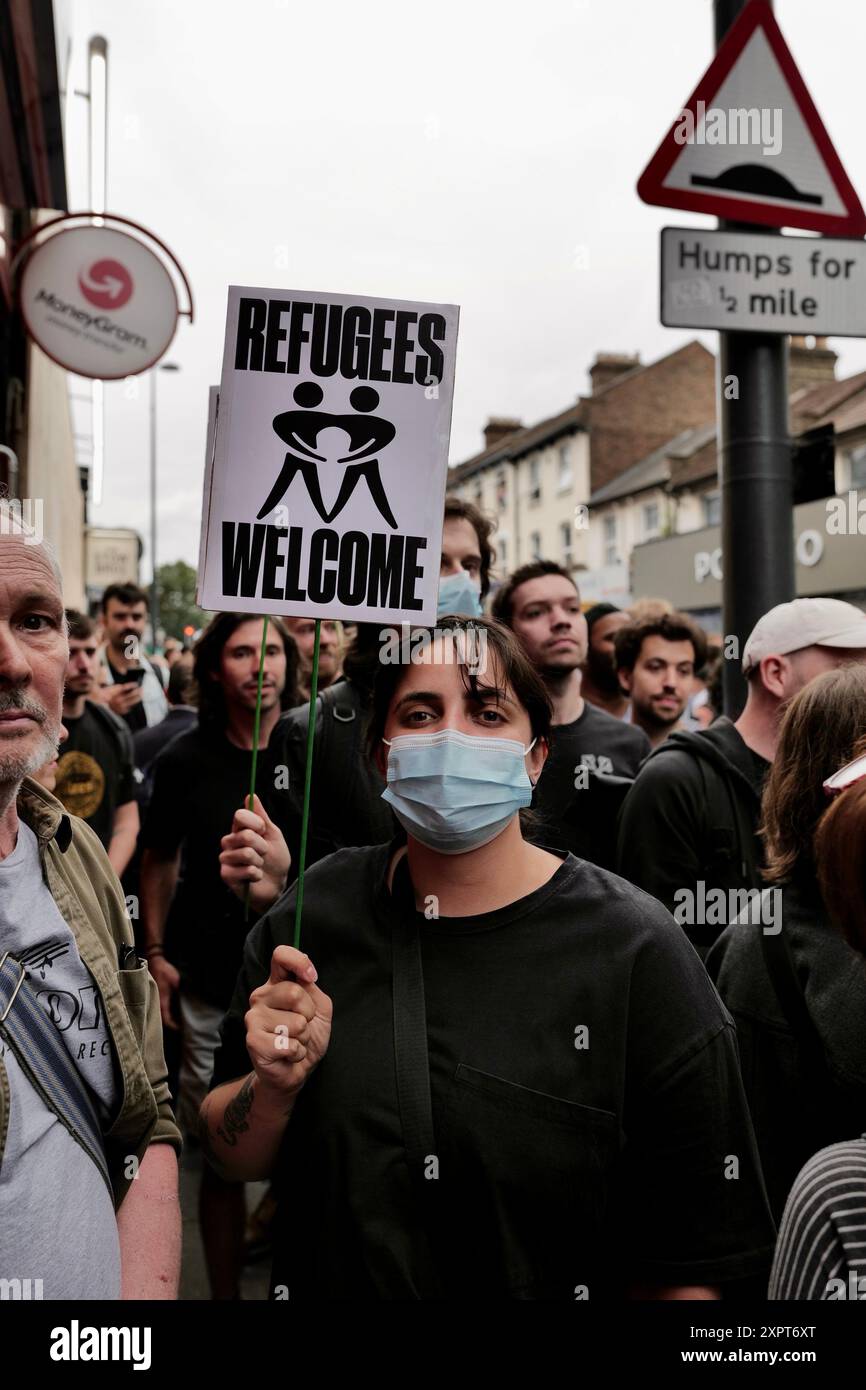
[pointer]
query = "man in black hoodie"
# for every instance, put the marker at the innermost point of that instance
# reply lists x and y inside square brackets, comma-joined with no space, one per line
[690,821]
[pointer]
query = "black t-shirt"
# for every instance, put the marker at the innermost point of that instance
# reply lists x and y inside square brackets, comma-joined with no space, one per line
[95,769]
[585,1091]
[198,782]
[577,810]
[136,717]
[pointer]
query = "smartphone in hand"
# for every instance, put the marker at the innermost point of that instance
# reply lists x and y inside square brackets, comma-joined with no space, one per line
[134,675]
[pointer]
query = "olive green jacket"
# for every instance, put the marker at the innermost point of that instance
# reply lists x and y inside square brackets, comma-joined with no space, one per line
[87,892]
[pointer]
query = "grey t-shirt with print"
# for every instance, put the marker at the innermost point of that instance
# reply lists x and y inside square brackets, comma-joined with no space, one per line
[57,1221]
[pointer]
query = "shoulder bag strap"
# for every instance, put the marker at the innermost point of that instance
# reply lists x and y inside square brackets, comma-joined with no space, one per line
[40,1050]
[413,1066]
[410,1047]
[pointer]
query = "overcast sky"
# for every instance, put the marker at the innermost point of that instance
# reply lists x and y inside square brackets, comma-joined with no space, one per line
[483,154]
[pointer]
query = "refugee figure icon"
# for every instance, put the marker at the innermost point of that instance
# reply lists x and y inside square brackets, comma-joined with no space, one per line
[300,430]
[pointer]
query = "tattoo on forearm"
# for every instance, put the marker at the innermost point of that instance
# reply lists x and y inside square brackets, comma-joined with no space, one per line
[204,1136]
[235,1120]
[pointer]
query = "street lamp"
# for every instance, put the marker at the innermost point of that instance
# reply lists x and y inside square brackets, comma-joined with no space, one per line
[154,596]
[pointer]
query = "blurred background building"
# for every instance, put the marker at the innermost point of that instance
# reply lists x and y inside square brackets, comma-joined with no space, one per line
[39,462]
[622,487]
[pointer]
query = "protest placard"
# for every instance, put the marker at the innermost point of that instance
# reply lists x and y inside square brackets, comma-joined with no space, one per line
[331,457]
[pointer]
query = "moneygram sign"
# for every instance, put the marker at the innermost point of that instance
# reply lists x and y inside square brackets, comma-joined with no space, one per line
[99,302]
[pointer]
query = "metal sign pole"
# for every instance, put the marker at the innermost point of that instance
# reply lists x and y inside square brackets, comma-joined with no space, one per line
[754,452]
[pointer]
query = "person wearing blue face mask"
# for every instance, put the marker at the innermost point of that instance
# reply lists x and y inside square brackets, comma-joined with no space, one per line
[530,1083]
[347,806]
[467,555]
[459,594]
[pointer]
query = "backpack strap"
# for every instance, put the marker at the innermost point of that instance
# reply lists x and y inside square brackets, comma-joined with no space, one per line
[729,836]
[339,698]
[42,1055]
[339,738]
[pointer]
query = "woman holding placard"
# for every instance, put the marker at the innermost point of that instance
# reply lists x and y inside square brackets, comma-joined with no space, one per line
[507,1074]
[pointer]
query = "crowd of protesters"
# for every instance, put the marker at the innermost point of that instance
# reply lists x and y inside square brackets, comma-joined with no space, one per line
[579,1004]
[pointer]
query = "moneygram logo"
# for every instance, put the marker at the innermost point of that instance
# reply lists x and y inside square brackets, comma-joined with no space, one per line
[107,284]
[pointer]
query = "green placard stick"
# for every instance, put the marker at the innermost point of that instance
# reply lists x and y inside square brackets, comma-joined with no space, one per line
[308,777]
[256,723]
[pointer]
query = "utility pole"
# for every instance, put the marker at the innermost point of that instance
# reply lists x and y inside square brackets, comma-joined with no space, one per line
[154,591]
[754,452]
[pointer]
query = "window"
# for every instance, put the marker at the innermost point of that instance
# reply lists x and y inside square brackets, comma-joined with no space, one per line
[712,509]
[535,545]
[534,480]
[503,553]
[479,491]
[564,481]
[501,489]
[857,459]
[565,540]
[650,519]
[609,527]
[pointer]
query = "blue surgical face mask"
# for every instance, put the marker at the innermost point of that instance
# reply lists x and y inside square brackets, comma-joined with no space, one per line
[455,792]
[459,593]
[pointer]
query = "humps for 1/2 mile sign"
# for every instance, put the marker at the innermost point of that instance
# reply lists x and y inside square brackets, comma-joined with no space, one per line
[324,492]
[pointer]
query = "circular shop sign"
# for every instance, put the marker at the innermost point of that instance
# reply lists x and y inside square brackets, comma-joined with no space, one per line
[98,302]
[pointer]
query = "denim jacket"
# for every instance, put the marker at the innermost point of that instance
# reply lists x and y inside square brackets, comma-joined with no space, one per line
[88,895]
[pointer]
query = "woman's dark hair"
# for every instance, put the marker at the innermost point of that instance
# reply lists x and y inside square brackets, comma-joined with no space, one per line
[820,730]
[458,510]
[503,660]
[840,857]
[207,655]
[361,660]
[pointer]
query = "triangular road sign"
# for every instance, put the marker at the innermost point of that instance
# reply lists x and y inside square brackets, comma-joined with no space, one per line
[749,144]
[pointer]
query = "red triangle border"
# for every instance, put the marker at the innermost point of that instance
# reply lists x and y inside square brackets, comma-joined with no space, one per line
[650,186]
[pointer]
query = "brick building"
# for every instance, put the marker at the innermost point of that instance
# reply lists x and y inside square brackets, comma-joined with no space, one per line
[622,487]
[538,480]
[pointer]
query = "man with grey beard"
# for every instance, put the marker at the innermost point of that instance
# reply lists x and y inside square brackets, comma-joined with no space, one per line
[84,1102]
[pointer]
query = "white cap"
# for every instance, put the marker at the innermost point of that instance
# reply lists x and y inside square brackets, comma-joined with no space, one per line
[806,622]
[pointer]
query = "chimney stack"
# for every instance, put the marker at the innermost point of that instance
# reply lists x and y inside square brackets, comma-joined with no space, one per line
[608,366]
[809,366]
[499,428]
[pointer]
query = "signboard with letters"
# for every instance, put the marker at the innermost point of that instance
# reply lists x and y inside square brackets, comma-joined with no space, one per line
[99,302]
[330,457]
[749,281]
[111,557]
